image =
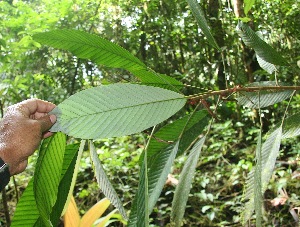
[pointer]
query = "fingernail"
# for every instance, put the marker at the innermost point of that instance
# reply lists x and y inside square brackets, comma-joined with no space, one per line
[52,118]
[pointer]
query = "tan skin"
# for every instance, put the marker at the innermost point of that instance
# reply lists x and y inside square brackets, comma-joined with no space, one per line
[22,128]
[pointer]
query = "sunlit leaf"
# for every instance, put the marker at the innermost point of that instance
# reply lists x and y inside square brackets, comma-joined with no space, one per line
[261,48]
[269,152]
[47,175]
[248,5]
[185,182]
[94,213]
[104,182]
[72,217]
[115,110]
[89,46]
[264,97]
[200,17]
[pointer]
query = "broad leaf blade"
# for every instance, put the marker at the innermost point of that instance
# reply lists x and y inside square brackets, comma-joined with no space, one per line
[89,46]
[115,110]
[199,15]
[270,151]
[262,98]
[291,126]
[262,49]
[104,183]
[185,182]
[248,5]
[47,175]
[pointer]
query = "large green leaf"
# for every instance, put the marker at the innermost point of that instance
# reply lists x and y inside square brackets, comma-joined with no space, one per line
[89,46]
[262,98]
[248,5]
[269,154]
[261,48]
[47,175]
[291,126]
[104,183]
[115,110]
[102,51]
[26,213]
[185,182]
[200,17]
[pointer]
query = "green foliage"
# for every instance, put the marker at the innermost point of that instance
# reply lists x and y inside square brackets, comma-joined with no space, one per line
[163,36]
[112,105]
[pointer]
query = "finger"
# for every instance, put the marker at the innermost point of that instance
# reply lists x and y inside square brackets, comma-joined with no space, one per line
[32,106]
[47,122]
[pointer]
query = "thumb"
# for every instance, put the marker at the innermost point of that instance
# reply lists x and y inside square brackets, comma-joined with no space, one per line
[47,122]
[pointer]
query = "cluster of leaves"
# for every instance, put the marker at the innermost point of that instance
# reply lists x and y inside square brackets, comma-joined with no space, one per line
[124,108]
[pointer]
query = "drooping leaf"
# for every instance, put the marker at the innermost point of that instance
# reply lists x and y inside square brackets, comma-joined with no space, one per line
[264,97]
[68,167]
[200,17]
[26,208]
[89,46]
[261,48]
[159,168]
[269,153]
[185,181]
[104,182]
[94,213]
[74,176]
[47,175]
[115,110]
[105,220]
[72,217]
[190,125]
[258,196]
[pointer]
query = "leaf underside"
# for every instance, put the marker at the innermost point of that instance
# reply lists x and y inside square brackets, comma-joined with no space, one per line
[262,98]
[115,110]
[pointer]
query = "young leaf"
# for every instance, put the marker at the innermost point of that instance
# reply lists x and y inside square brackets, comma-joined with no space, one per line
[104,183]
[269,153]
[72,217]
[261,48]
[115,110]
[89,46]
[47,175]
[248,5]
[200,17]
[263,98]
[185,181]
[94,213]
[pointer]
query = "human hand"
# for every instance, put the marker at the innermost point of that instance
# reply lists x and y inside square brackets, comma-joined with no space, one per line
[22,128]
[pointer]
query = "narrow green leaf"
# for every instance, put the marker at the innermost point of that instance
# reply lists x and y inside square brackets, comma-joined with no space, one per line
[263,98]
[193,126]
[258,197]
[47,175]
[261,48]
[68,167]
[115,110]
[159,167]
[185,182]
[104,183]
[26,213]
[200,17]
[269,152]
[89,46]
[248,5]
